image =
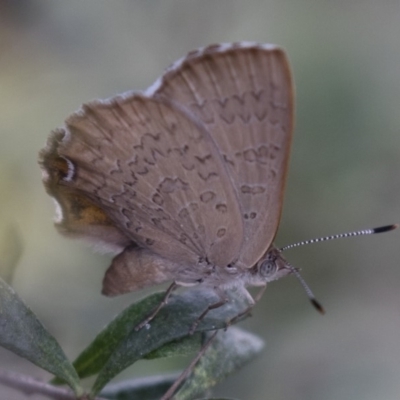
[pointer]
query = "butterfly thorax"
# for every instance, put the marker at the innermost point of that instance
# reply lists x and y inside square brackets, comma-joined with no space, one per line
[270,267]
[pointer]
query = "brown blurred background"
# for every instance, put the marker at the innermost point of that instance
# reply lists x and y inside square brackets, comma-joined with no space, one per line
[344,175]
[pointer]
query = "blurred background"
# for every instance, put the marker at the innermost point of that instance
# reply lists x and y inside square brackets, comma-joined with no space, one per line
[344,175]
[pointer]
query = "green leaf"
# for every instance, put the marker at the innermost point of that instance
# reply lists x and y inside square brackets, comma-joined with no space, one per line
[172,323]
[93,358]
[230,351]
[23,334]
[180,347]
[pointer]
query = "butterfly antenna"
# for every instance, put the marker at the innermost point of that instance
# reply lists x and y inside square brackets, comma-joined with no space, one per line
[317,305]
[381,229]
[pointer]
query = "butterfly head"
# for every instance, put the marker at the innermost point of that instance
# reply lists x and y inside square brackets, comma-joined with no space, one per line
[272,266]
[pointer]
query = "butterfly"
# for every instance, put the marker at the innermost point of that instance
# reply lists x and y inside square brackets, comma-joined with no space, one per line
[184,182]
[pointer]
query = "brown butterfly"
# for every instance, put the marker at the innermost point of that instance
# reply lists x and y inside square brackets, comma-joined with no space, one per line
[185,181]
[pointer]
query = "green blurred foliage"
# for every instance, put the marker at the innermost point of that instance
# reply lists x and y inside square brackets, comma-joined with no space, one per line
[344,175]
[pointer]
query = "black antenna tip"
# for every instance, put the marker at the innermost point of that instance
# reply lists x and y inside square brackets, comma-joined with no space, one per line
[386,228]
[317,306]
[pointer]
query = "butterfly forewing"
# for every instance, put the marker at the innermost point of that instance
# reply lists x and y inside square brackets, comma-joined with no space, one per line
[158,175]
[243,94]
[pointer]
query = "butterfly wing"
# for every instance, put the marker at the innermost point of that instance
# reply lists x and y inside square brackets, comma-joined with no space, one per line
[76,215]
[151,170]
[243,94]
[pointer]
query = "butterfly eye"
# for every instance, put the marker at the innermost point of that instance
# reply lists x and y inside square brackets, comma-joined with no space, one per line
[268,268]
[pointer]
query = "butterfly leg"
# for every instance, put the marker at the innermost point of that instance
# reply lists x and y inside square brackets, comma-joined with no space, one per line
[162,303]
[222,300]
[252,303]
